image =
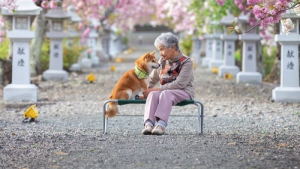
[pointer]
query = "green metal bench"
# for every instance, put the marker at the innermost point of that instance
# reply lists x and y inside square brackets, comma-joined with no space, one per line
[183,103]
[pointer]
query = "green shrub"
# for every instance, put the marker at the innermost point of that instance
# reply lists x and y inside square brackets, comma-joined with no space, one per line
[4,47]
[45,54]
[71,54]
[125,40]
[186,45]
[238,58]
[269,60]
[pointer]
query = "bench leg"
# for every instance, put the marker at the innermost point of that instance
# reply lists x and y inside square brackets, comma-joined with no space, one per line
[199,105]
[200,116]
[105,119]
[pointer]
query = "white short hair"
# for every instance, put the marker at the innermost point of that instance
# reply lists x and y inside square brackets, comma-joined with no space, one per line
[168,40]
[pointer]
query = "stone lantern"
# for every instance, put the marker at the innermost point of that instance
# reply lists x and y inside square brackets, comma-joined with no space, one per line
[72,33]
[289,90]
[75,19]
[56,35]
[217,48]
[92,41]
[196,48]
[105,39]
[115,43]
[20,89]
[208,50]
[229,48]
[249,73]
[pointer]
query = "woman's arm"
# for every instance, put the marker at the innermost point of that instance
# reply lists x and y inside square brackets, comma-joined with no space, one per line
[153,78]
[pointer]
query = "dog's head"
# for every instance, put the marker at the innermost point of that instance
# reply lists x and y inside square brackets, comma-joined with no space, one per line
[147,62]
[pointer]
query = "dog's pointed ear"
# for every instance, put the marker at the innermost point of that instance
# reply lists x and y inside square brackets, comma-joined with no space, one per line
[147,55]
[152,53]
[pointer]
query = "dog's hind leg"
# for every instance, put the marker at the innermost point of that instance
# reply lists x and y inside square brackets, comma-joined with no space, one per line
[126,94]
[113,106]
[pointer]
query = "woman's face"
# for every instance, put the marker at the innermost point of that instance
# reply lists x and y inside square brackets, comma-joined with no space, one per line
[166,53]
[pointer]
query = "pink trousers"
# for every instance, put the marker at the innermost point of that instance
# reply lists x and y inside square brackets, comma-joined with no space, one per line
[159,104]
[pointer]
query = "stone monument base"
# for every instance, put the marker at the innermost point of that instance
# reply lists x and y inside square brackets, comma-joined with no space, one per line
[55,75]
[75,67]
[20,93]
[286,94]
[196,58]
[233,70]
[95,61]
[86,63]
[249,77]
[205,62]
[215,63]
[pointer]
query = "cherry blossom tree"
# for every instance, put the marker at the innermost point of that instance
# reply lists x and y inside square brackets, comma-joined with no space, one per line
[12,5]
[176,14]
[39,27]
[268,12]
[211,10]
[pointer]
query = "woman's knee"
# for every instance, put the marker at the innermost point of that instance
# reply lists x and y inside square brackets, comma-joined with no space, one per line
[154,94]
[166,94]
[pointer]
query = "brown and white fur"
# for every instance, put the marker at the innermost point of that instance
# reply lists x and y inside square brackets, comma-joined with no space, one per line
[129,84]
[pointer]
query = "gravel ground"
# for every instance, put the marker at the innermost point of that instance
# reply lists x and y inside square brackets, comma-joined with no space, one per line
[243,128]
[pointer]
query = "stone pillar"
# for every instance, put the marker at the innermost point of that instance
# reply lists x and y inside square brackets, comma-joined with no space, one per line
[56,36]
[20,89]
[217,52]
[91,42]
[208,50]
[249,72]
[289,90]
[196,49]
[113,44]
[105,45]
[75,19]
[229,49]
[119,44]
[69,43]
[99,46]
[85,60]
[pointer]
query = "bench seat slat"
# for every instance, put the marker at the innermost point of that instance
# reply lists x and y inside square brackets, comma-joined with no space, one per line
[123,102]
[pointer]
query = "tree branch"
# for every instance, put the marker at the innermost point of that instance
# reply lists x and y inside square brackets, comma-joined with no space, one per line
[258,22]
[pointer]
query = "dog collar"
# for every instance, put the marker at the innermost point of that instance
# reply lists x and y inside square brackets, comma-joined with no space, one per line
[141,74]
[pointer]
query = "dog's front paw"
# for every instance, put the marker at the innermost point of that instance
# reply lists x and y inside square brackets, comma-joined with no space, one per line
[137,97]
[142,98]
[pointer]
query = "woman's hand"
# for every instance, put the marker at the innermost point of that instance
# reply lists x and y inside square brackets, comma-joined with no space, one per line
[146,92]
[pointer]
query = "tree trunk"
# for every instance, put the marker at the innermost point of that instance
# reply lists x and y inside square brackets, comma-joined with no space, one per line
[260,58]
[36,45]
[239,45]
[274,75]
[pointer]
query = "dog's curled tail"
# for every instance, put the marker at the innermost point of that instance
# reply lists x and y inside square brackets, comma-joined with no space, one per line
[112,109]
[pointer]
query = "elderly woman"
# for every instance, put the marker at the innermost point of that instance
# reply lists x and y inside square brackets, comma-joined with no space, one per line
[176,79]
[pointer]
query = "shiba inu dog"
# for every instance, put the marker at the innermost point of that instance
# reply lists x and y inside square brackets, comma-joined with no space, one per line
[133,81]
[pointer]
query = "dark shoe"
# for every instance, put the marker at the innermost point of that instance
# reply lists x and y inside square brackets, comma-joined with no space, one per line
[158,130]
[147,130]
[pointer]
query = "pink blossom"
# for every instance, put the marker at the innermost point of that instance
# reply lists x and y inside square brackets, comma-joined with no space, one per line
[220,2]
[52,4]
[80,26]
[89,50]
[45,4]
[1,23]
[86,32]
[2,33]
